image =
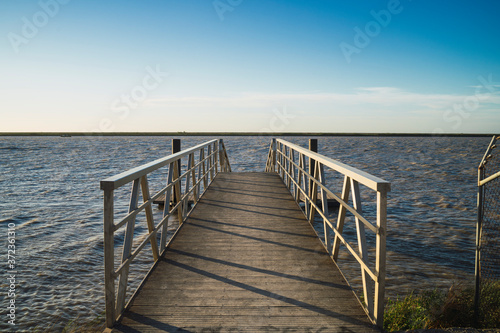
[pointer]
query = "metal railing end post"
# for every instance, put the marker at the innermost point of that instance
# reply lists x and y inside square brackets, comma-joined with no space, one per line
[109,254]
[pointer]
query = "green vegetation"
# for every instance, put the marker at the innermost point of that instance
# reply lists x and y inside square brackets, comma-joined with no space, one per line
[95,325]
[435,309]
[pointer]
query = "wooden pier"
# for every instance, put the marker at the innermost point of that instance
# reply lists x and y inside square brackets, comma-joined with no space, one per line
[245,259]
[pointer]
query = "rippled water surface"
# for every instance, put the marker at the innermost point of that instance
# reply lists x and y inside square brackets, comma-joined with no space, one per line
[50,191]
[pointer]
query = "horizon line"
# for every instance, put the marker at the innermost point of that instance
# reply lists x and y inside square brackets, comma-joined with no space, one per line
[195,133]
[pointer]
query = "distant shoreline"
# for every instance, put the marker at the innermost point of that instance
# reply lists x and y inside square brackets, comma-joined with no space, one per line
[218,134]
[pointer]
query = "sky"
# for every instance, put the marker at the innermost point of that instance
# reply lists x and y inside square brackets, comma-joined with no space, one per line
[408,66]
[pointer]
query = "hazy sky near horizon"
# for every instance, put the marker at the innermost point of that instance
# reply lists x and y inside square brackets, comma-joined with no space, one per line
[246,65]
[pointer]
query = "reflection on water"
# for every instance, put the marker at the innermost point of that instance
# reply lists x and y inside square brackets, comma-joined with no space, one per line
[50,190]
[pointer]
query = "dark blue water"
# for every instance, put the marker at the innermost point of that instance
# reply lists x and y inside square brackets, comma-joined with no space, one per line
[50,192]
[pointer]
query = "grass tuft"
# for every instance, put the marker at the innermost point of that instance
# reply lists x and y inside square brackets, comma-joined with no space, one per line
[435,309]
[95,325]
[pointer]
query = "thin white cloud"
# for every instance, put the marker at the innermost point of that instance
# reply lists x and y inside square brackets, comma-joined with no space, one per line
[371,97]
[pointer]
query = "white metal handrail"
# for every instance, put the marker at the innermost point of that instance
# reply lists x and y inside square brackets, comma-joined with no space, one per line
[211,160]
[290,161]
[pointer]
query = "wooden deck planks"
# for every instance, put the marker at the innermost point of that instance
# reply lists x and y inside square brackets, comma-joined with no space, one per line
[246,260]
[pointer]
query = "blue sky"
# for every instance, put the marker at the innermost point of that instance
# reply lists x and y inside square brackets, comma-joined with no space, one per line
[246,65]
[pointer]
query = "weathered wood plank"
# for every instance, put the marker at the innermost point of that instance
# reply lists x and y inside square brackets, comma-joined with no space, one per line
[245,260]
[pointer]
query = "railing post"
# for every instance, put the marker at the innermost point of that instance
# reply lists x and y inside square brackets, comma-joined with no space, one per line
[289,168]
[210,164]
[380,268]
[166,207]
[324,204]
[127,247]
[221,156]
[188,182]
[346,189]
[362,247]
[109,256]
[177,193]
[193,176]
[274,155]
[314,193]
[313,146]
[477,273]
[149,216]
[176,147]
[305,180]
[202,170]
[216,162]
[216,159]
[281,149]
[291,185]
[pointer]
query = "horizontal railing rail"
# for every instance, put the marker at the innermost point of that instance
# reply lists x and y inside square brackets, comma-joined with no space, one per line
[203,161]
[292,162]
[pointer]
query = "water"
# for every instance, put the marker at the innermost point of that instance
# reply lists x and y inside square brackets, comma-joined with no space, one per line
[50,192]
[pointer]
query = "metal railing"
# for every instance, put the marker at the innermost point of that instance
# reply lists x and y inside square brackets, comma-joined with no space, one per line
[180,187]
[292,162]
[488,220]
